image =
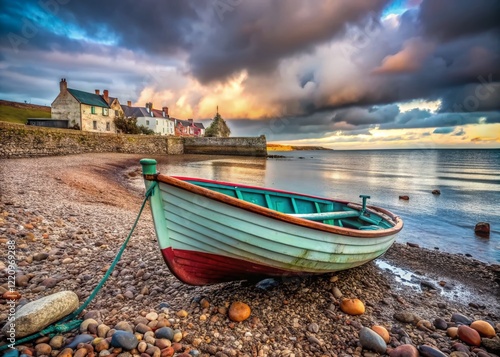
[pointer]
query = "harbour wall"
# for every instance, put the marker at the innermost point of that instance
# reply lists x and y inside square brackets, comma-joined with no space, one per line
[18,140]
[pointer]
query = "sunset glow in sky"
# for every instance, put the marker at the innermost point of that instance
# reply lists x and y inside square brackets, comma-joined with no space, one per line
[345,74]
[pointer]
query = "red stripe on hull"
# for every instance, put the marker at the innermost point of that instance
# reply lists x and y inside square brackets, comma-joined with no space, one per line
[197,268]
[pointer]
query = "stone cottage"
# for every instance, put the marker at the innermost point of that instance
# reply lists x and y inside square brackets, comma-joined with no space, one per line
[88,111]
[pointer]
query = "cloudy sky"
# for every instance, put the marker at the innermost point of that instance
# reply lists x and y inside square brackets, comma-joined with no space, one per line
[346,74]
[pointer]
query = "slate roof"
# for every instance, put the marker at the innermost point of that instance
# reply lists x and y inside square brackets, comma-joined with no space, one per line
[199,125]
[183,122]
[137,112]
[88,98]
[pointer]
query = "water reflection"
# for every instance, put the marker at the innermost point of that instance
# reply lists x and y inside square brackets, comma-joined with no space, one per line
[250,171]
[247,170]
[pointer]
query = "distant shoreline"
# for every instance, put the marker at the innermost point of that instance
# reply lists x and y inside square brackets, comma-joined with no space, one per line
[278,147]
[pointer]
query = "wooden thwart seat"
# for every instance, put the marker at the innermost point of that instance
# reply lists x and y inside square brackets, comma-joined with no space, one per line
[326,215]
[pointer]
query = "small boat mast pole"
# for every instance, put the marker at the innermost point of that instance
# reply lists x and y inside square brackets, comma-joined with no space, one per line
[364,198]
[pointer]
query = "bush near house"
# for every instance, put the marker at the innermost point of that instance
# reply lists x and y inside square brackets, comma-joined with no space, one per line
[129,126]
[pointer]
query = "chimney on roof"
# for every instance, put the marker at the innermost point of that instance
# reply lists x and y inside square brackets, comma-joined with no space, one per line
[190,121]
[129,103]
[149,107]
[63,85]
[105,94]
[165,112]
[97,91]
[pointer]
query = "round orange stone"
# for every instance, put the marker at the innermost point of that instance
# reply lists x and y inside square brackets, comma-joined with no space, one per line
[484,328]
[239,311]
[352,306]
[382,332]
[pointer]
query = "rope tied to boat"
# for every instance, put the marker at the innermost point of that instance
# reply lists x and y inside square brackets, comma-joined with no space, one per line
[70,322]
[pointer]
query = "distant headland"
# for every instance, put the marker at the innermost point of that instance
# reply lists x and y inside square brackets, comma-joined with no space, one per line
[278,147]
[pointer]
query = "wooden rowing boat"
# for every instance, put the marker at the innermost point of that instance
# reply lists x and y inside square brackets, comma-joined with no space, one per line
[211,231]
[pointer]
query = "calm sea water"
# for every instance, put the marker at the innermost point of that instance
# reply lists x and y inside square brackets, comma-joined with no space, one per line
[469,181]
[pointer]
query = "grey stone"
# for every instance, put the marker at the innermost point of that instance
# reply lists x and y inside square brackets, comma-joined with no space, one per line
[461,319]
[267,284]
[84,338]
[429,351]
[440,324]
[38,314]
[165,332]
[336,292]
[405,316]
[370,340]
[492,345]
[125,340]
[124,326]
[40,256]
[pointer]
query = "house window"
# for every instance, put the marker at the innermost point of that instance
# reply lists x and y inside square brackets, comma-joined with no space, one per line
[147,122]
[94,124]
[105,111]
[92,110]
[108,126]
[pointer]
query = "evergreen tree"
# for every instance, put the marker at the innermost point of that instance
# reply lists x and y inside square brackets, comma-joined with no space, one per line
[218,128]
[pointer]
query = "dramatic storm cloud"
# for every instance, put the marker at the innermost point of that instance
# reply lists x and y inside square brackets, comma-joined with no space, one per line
[337,72]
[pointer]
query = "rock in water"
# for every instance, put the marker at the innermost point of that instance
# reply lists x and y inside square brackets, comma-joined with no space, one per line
[482,229]
[370,340]
[38,314]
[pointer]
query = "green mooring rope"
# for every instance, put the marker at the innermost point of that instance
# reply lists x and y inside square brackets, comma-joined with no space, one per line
[69,322]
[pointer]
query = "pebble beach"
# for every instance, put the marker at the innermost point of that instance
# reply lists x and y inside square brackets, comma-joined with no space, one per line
[69,215]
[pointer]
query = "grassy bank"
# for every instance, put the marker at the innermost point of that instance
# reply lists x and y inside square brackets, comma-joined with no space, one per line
[13,112]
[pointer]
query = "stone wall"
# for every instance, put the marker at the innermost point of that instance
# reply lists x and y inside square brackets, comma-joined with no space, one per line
[18,140]
[251,146]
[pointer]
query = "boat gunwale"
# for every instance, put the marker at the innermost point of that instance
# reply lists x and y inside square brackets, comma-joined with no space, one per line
[180,182]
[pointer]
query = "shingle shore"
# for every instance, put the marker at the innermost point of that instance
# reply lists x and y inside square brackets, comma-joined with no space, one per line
[69,215]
